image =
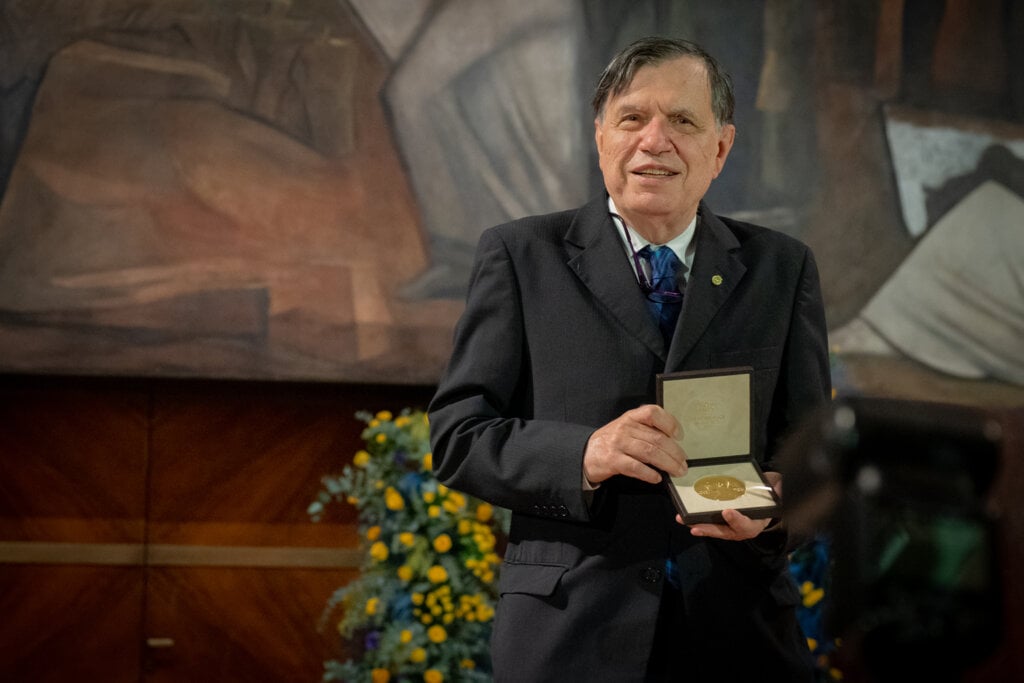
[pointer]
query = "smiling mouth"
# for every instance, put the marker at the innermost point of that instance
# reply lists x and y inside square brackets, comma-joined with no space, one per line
[655,173]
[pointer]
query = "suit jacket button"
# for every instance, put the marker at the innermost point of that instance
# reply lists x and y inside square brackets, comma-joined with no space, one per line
[651,574]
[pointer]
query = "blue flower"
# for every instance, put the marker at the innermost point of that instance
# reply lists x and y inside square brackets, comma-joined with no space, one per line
[411,484]
[401,607]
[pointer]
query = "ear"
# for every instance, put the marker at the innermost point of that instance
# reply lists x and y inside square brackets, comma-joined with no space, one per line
[726,137]
[598,135]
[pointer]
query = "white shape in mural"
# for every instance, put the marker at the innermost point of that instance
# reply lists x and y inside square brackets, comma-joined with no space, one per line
[925,157]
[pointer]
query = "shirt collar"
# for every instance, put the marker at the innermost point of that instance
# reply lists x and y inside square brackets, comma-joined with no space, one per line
[682,244]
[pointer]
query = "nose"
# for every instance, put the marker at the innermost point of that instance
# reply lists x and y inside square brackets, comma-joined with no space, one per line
[656,136]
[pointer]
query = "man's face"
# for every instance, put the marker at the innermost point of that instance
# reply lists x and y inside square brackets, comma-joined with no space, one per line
[659,145]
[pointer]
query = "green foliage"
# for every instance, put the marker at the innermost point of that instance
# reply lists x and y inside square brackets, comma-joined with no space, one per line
[422,606]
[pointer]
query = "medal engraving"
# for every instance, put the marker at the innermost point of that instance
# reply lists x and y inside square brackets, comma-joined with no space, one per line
[718,487]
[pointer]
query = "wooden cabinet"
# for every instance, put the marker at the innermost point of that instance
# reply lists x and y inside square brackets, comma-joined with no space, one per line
[156,530]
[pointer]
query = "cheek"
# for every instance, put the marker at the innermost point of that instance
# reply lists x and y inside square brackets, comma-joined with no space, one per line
[618,155]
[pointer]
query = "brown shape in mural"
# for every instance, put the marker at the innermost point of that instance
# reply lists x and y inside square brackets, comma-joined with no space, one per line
[226,205]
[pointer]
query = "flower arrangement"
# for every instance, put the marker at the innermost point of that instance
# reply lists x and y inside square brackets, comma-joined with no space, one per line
[810,565]
[422,606]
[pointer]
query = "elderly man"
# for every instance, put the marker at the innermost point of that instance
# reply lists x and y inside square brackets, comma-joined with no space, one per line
[548,403]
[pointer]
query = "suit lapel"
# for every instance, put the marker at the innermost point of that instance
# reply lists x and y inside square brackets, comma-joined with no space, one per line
[716,272]
[597,257]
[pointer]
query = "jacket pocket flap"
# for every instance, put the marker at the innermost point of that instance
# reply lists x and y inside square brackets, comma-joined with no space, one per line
[531,579]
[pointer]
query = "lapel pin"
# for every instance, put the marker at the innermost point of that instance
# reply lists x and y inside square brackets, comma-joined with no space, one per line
[716,280]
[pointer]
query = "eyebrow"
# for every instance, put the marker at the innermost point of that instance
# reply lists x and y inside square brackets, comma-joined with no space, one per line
[629,108]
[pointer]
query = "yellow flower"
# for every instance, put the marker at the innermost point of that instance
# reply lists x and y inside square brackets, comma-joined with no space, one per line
[361,459]
[455,502]
[812,644]
[381,438]
[434,511]
[407,538]
[393,499]
[437,574]
[443,543]
[432,676]
[428,496]
[417,598]
[401,421]
[437,634]
[373,533]
[352,500]
[484,512]
[379,551]
[380,676]
[428,461]
[465,526]
[373,424]
[384,415]
[405,636]
[813,597]
[467,664]
[442,489]
[417,655]
[371,606]
[405,573]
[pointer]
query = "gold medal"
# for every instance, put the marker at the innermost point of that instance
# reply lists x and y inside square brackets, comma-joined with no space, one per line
[718,487]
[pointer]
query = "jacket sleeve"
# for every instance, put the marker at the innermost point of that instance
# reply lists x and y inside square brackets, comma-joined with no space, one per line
[804,381]
[484,437]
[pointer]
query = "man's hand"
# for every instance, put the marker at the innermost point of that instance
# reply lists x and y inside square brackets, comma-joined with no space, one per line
[737,527]
[637,444]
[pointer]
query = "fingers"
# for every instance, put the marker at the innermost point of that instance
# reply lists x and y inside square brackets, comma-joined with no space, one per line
[640,444]
[657,432]
[660,419]
[737,527]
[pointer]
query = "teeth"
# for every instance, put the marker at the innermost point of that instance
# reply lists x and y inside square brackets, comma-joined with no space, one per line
[653,172]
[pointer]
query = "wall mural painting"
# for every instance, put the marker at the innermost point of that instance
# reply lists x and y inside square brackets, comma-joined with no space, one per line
[956,303]
[294,189]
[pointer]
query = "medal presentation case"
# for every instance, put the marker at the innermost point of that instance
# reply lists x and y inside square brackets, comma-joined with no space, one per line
[714,408]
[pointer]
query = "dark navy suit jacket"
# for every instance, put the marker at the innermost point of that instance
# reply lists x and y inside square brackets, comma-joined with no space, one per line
[555,341]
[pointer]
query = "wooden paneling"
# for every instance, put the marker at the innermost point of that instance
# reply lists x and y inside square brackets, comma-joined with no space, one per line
[156,530]
[72,485]
[70,623]
[72,462]
[240,464]
[252,625]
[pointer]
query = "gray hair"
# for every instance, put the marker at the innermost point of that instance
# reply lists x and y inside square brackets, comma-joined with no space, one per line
[622,69]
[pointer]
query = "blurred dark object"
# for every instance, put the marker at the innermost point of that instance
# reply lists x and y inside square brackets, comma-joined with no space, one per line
[901,488]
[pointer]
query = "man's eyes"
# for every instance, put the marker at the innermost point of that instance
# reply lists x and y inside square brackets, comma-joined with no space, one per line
[637,120]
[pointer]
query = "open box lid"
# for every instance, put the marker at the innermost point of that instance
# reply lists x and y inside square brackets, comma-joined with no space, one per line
[714,409]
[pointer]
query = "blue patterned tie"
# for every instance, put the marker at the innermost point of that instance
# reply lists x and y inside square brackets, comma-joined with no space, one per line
[664,266]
